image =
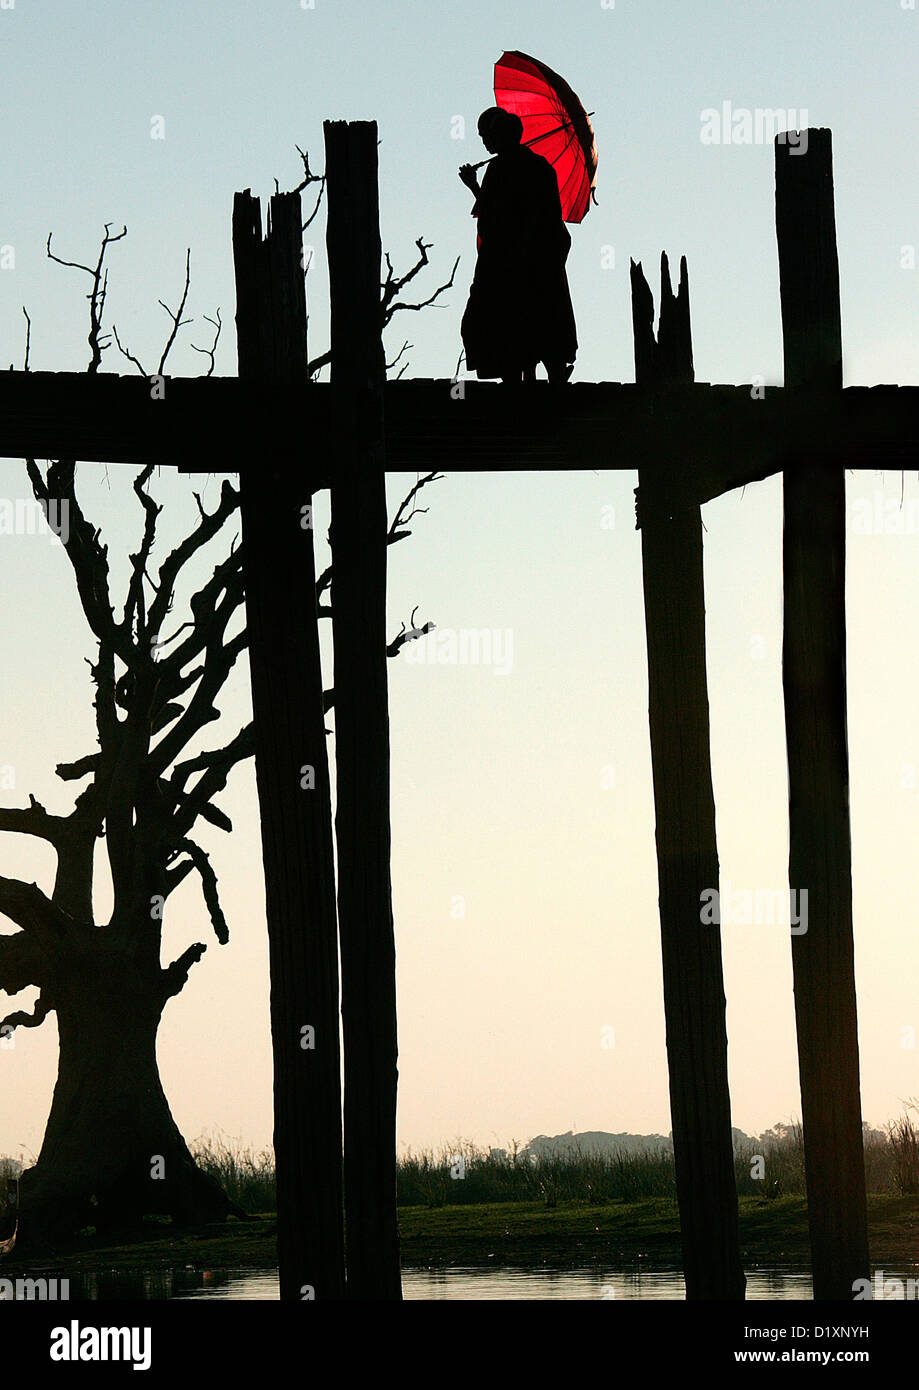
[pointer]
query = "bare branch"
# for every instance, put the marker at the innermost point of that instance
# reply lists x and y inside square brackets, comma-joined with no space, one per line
[215,767]
[308,178]
[213,606]
[410,634]
[27,906]
[406,347]
[308,175]
[73,772]
[167,641]
[240,747]
[175,977]
[403,516]
[96,295]
[129,355]
[395,646]
[165,716]
[32,820]
[401,519]
[219,661]
[208,527]
[393,285]
[209,352]
[21,1019]
[88,557]
[134,615]
[316,207]
[28,338]
[209,887]
[177,320]
[316,364]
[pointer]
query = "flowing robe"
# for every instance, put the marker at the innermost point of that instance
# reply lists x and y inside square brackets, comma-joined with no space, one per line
[519,310]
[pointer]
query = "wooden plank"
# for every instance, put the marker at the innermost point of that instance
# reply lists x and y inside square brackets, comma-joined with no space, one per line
[291,765]
[814,681]
[722,436]
[687,851]
[362,821]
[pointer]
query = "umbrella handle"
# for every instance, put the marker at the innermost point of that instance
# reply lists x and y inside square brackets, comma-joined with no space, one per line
[525,144]
[535,140]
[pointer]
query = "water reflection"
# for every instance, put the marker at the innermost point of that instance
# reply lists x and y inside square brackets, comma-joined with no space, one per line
[637,1282]
[451,1284]
[117,1284]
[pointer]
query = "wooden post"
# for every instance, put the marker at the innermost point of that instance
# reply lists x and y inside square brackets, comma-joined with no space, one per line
[362,823]
[291,763]
[687,851]
[814,680]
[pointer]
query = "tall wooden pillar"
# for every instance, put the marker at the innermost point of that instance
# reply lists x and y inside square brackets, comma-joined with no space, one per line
[291,763]
[362,823]
[687,851]
[814,680]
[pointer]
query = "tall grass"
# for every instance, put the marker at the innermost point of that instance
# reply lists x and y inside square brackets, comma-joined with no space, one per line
[463,1174]
[246,1177]
[903,1140]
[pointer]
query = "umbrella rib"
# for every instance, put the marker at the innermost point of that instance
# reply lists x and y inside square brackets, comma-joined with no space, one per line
[537,94]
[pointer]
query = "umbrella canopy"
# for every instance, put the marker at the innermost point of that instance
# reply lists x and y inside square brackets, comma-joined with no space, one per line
[555,124]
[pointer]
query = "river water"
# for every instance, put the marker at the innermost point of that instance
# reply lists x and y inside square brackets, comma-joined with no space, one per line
[451,1284]
[457,1284]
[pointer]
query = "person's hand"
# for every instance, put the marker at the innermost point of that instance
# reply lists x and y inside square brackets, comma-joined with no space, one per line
[469,177]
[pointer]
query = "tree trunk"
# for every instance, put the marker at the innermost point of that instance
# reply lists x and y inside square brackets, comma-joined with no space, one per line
[112,1152]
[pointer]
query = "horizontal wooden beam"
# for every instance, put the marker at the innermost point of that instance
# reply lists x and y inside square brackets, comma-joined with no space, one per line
[723,436]
[192,423]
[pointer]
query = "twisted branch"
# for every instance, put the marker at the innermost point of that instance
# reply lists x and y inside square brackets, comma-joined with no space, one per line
[394,284]
[201,862]
[96,296]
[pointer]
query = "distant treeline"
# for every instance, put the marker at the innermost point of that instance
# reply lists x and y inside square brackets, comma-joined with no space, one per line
[581,1168]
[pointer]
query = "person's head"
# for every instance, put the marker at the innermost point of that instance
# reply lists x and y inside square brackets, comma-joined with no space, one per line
[500,130]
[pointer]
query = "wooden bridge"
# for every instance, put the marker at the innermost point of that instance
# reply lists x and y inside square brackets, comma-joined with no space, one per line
[289,437]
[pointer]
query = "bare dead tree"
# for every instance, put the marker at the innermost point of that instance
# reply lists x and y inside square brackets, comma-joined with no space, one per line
[157,677]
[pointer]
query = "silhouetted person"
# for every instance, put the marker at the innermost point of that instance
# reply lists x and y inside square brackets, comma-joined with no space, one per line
[519,310]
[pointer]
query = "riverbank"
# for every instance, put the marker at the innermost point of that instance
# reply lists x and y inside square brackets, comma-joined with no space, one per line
[521,1234]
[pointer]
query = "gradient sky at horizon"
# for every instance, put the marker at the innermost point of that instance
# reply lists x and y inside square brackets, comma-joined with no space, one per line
[500,794]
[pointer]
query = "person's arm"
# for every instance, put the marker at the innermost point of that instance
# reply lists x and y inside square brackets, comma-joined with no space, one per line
[484,192]
[470,178]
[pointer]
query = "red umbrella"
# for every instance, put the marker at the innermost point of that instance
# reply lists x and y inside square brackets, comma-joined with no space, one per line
[554,123]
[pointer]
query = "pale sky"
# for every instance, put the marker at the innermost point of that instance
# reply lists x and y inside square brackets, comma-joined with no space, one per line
[500,802]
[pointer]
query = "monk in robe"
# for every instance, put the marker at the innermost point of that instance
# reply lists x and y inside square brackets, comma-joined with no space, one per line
[519,311]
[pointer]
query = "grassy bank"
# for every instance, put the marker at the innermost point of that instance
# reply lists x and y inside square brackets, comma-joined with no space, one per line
[525,1234]
[578,1235]
[467,1206]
